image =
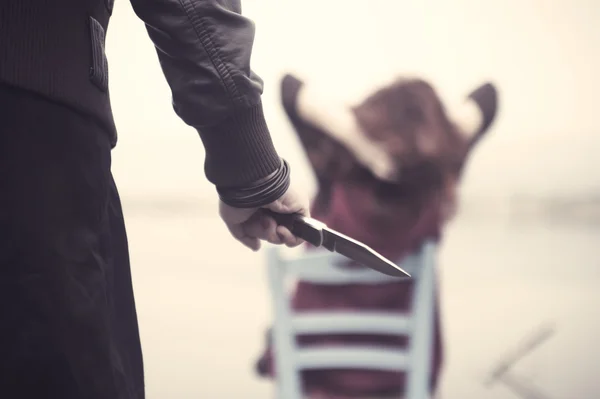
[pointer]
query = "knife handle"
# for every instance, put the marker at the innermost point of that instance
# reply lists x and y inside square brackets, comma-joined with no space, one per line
[310,230]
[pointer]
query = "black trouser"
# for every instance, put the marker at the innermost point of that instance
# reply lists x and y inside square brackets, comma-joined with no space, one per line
[68,325]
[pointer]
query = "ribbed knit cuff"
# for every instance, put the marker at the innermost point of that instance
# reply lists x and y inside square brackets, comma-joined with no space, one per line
[260,193]
[239,150]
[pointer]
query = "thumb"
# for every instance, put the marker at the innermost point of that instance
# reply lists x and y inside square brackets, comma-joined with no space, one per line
[290,202]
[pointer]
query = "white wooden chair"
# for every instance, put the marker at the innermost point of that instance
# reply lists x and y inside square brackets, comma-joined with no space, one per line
[323,267]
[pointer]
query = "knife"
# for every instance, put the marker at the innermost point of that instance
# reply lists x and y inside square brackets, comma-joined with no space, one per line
[319,235]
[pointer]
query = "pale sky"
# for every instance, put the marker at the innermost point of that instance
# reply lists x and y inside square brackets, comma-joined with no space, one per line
[541,54]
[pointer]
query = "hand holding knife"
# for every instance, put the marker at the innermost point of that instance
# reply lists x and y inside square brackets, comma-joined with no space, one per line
[319,235]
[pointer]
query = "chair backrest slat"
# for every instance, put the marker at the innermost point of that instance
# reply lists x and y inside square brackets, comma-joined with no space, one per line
[322,267]
[371,358]
[377,323]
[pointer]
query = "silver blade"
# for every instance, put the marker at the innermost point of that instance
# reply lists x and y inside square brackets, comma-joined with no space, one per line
[319,235]
[359,252]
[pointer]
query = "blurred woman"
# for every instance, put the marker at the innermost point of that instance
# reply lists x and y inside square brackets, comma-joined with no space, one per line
[387,172]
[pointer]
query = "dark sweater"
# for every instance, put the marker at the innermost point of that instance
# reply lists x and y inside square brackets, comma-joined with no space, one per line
[48,47]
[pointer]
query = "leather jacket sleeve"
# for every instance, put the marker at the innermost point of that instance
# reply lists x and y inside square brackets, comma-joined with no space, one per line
[204,48]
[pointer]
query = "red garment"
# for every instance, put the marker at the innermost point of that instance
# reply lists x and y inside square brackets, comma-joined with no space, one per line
[351,212]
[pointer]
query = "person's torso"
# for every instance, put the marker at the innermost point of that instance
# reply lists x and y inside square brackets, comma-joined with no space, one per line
[343,215]
[55,48]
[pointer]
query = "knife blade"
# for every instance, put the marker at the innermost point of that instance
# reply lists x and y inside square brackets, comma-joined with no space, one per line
[319,235]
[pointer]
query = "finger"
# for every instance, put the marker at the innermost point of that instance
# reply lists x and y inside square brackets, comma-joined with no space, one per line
[286,209]
[251,242]
[290,202]
[262,227]
[287,237]
[238,233]
[279,207]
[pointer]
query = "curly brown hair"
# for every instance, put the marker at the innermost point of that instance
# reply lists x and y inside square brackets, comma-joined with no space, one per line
[408,119]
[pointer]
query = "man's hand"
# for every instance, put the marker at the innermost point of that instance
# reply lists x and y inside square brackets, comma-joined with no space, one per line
[250,226]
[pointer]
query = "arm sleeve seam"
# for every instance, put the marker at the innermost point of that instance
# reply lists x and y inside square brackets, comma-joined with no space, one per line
[211,50]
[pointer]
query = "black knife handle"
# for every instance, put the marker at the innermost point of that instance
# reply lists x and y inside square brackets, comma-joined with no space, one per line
[299,226]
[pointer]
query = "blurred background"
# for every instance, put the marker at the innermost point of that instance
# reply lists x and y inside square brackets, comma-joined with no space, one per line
[522,252]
